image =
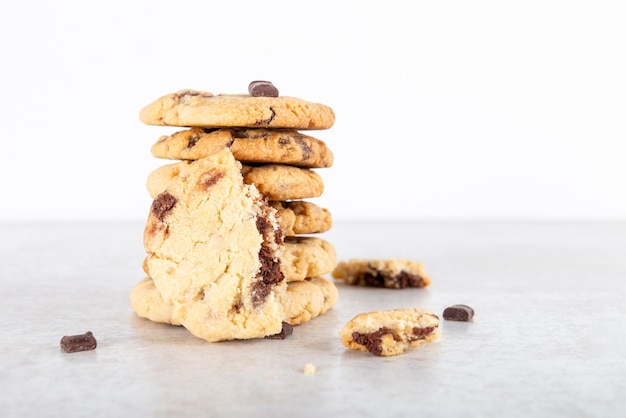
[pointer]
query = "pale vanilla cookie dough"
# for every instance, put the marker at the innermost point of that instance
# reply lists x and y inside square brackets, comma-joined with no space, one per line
[301,257]
[215,252]
[304,301]
[274,181]
[390,273]
[280,146]
[203,109]
[389,333]
[297,217]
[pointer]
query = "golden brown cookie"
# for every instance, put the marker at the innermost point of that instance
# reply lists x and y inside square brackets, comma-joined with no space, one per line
[307,257]
[148,303]
[203,109]
[298,217]
[214,252]
[389,333]
[280,146]
[274,181]
[391,273]
[309,298]
[284,182]
[305,300]
[329,290]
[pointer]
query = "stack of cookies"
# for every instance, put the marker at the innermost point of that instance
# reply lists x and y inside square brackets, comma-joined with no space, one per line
[230,237]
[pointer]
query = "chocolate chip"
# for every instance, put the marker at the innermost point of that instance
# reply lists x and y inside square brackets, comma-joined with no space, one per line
[81,342]
[262,88]
[458,313]
[287,330]
[373,341]
[162,205]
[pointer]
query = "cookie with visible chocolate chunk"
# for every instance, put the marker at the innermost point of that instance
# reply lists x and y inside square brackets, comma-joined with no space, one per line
[390,273]
[203,109]
[304,301]
[389,333]
[298,217]
[301,257]
[274,181]
[215,252]
[281,146]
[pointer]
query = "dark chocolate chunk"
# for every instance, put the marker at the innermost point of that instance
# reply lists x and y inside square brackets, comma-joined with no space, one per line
[81,342]
[162,205]
[261,88]
[458,313]
[209,178]
[401,280]
[287,330]
[266,122]
[373,341]
[421,333]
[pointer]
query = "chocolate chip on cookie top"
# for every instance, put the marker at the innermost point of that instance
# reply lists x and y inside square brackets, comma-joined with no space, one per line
[261,88]
[190,108]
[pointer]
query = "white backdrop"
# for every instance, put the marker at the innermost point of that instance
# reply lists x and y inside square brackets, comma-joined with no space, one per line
[445,110]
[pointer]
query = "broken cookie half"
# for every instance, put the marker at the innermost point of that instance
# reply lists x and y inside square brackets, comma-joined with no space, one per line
[389,333]
[214,252]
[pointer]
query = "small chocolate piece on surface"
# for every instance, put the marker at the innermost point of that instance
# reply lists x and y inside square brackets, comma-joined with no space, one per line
[458,312]
[261,88]
[287,330]
[81,342]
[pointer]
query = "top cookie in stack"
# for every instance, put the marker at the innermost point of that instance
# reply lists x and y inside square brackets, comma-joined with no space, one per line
[227,253]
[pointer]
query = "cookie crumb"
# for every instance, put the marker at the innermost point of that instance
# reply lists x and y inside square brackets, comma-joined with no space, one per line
[309,368]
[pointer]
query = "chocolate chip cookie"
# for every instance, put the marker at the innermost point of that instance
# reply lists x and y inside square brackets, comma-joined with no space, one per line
[390,273]
[274,181]
[214,252]
[258,146]
[389,333]
[203,109]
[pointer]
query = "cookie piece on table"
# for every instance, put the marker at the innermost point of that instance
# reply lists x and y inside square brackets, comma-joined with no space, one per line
[247,145]
[389,273]
[274,181]
[214,252]
[389,333]
[203,109]
[298,217]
